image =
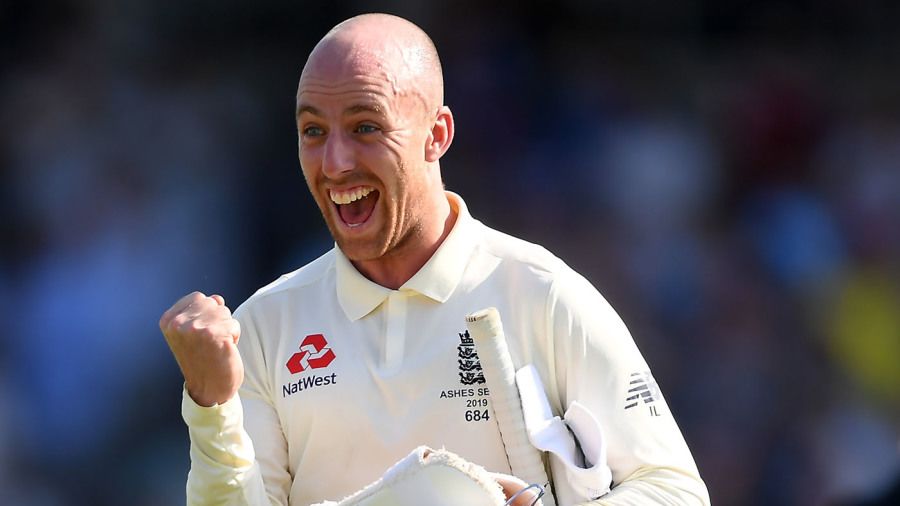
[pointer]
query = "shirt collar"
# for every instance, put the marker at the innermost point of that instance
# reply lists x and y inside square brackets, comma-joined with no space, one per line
[437,279]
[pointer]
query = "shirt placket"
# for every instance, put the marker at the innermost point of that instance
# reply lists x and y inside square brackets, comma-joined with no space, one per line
[395,331]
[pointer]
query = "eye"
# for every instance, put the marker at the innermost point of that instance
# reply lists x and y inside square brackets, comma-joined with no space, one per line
[366,128]
[313,131]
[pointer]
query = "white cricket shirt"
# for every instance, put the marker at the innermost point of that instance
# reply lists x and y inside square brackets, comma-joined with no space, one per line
[345,377]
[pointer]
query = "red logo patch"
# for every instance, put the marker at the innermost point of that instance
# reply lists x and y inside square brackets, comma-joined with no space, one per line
[314,354]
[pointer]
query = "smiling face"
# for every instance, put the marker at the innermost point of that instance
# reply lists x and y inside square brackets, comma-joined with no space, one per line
[366,129]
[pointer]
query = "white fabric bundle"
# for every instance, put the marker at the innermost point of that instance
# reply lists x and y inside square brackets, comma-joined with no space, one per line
[574,443]
[433,477]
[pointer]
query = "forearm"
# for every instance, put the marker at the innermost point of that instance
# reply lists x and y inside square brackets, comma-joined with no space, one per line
[656,486]
[223,467]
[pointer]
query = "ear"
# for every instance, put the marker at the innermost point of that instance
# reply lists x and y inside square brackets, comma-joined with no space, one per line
[441,135]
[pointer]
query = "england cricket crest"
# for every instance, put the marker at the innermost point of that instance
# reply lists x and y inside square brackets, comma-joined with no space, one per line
[469,366]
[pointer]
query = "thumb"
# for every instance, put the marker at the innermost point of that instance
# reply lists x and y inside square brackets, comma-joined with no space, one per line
[219,299]
[232,328]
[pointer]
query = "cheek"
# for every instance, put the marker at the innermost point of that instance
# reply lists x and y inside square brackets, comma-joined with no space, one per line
[382,161]
[309,163]
[382,153]
[401,144]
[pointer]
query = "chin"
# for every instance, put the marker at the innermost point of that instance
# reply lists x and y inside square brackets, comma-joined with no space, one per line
[359,250]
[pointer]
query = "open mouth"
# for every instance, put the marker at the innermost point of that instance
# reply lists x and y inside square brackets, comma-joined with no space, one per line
[355,205]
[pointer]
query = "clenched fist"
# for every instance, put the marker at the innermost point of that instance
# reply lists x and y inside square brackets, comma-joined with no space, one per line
[203,337]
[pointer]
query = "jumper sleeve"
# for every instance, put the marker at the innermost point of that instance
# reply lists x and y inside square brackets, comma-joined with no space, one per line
[597,364]
[238,451]
[223,470]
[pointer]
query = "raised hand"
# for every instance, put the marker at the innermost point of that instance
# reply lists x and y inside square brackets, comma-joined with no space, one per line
[203,336]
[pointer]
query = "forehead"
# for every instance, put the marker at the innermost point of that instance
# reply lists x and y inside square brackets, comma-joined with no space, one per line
[339,68]
[353,88]
[345,98]
[342,76]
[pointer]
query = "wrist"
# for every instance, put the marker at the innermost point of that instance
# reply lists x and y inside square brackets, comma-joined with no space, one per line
[204,398]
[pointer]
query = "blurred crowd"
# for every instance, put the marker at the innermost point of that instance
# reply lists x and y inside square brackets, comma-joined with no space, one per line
[726,173]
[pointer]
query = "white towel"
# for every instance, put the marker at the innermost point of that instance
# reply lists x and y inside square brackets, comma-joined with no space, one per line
[579,475]
[433,477]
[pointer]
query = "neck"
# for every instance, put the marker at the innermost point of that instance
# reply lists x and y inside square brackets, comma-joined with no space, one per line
[397,267]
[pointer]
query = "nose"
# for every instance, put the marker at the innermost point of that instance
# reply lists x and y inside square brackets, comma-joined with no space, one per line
[338,158]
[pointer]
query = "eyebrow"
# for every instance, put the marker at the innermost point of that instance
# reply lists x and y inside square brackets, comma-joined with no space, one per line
[302,108]
[353,109]
[358,108]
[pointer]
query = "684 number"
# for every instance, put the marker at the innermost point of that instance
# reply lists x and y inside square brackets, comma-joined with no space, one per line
[475,415]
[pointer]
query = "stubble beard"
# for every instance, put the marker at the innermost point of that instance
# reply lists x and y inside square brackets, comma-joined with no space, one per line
[373,245]
[359,249]
[399,229]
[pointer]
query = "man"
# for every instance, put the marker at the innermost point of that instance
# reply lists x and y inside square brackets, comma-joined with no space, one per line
[347,364]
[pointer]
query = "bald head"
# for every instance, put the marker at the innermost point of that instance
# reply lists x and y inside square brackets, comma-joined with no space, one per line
[383,46]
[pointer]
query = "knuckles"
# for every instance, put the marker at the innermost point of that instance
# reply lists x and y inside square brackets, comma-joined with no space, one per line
[195,297]
[199,328]
[197,316]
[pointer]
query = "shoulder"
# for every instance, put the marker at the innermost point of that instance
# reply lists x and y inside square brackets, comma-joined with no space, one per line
[534,267]
[519,254]
[307,277]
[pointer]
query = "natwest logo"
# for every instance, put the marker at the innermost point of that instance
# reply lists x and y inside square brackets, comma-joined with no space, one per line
[314,354]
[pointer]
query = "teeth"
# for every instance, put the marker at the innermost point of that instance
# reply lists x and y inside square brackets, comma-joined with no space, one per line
[348,196]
